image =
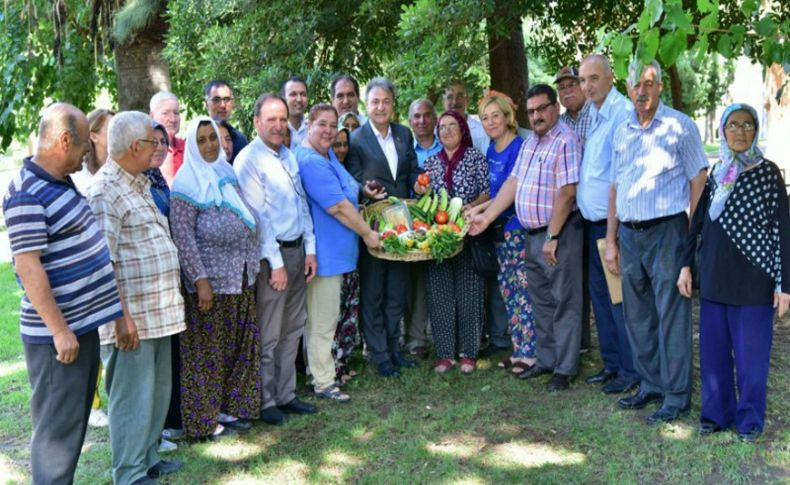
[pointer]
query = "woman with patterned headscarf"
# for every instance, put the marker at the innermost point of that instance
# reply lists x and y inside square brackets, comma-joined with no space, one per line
[218,247]
[454,289]
[744,276]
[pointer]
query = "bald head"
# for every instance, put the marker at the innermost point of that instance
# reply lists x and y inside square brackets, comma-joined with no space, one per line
[62,139]
[596,79]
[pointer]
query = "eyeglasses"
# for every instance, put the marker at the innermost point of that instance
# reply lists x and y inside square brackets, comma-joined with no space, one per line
[218,100]
[539,110]
[734,126]
[155,143]
[567,85]
[449,127]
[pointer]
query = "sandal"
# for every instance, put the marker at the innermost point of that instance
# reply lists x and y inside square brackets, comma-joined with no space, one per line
[443,365]
[519,367]
[506,363]
[333,393]
[468,365]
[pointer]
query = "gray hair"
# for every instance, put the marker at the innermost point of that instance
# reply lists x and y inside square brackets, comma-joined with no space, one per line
[607,66]
[159,97]
[636,68]
[56,119]
[126,128]
[380,82]
[416,102]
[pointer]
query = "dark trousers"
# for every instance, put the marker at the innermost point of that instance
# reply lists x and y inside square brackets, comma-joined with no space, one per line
[382,290]
[586,297]
[739,335]
[282,317]
[556,293]
[496,315]
[658,318]
[60,404]
[609,318]
[415,318]
[173,419]
[455,300]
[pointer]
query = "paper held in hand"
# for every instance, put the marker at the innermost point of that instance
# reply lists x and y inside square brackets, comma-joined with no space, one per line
[613,281]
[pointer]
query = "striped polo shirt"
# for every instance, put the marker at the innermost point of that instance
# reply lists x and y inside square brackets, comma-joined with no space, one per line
[49,215]
[652,165]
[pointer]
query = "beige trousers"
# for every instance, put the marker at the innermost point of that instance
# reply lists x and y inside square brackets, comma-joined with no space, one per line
[323,311]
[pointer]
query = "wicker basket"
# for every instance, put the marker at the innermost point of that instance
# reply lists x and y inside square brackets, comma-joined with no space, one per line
[414,254]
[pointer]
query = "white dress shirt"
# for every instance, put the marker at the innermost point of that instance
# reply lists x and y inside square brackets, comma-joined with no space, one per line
[297,134]
[271,185]
[480,139]
[387,144]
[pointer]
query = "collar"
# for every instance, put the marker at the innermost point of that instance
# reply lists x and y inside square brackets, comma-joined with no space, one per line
[378,135]
[39,172]
[301,127]
[436,144]
[281,153]
[552,133]
[608,103]
[137,182]
[657,117]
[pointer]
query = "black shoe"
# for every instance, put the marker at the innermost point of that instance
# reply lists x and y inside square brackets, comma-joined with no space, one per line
[164,467]
[386,369]
[401,362]
[749,436]
[238,424]
[273,416]
[295,406]
[603,376]
[533,371]
[620,385]
[708,427]
[558,382]
[492,350]
[666,414]
[639,400]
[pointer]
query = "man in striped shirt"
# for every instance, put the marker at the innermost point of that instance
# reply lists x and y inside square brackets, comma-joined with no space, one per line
[63,264]
[658,171]
[543,186]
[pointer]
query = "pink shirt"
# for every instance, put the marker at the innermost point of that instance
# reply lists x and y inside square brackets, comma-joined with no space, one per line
[544,165]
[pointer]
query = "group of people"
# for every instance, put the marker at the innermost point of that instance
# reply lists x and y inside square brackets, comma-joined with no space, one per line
[196,269]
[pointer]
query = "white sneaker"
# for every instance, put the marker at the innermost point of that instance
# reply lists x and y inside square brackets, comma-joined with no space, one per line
[166,446]
[98,419]
[173,433]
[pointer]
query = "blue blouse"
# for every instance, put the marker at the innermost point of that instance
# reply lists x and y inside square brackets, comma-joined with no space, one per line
[500,166]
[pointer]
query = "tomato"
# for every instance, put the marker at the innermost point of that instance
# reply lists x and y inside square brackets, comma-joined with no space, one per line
[440,217]
[417,225]
[454,227]
[401,228]
[388,233]
[424,179]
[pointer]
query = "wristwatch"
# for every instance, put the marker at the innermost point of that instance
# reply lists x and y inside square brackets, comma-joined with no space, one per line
[551,237]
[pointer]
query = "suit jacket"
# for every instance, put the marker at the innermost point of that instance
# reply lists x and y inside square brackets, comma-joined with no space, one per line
[366,160]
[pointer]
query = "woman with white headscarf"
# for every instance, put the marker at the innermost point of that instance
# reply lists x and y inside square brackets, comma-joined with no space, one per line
[744,276]
[218,246]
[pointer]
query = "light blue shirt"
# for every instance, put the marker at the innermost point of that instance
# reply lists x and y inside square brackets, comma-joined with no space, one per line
[424,153]
[271,184]
[592,194]
[652,165]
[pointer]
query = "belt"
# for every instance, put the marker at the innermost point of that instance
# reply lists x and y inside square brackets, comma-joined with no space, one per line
[645,225]
[537,230]
[290,244]
[601,223]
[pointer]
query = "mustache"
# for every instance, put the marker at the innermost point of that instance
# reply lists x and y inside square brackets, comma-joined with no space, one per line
[642,99]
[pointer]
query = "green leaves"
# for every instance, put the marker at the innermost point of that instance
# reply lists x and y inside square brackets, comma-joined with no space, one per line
[672,45]
[650,14]
[648,46]
[765,26]
[622,46]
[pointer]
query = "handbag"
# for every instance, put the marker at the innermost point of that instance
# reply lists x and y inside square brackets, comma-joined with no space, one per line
[483,252]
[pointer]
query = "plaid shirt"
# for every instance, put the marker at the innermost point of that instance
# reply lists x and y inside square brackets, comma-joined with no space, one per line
[581,125]
[145,258]
[544,165]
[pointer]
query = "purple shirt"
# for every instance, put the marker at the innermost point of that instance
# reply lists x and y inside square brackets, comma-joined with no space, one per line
[545,164]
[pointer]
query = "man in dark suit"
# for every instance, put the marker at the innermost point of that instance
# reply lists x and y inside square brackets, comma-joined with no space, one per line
[383,152]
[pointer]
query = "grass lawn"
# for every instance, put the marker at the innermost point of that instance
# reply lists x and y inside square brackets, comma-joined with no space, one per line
[425,428]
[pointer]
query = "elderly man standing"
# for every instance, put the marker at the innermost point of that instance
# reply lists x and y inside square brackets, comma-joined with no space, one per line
[269,178]
[383,151]
[64,266]
[658,171]
[456,98]
[295,93]
[136,350]
[166,111]
[344,91]
[608,110]
[219,104]
[543,186]
[422,119]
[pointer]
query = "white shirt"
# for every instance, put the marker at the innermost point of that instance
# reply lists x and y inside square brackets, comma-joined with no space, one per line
[82,179]
[297,134]
[387,144]
[271,185]
[480,139]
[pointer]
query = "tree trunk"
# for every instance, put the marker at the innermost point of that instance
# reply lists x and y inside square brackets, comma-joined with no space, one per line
[140,67]
[675,85]
[507,64]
